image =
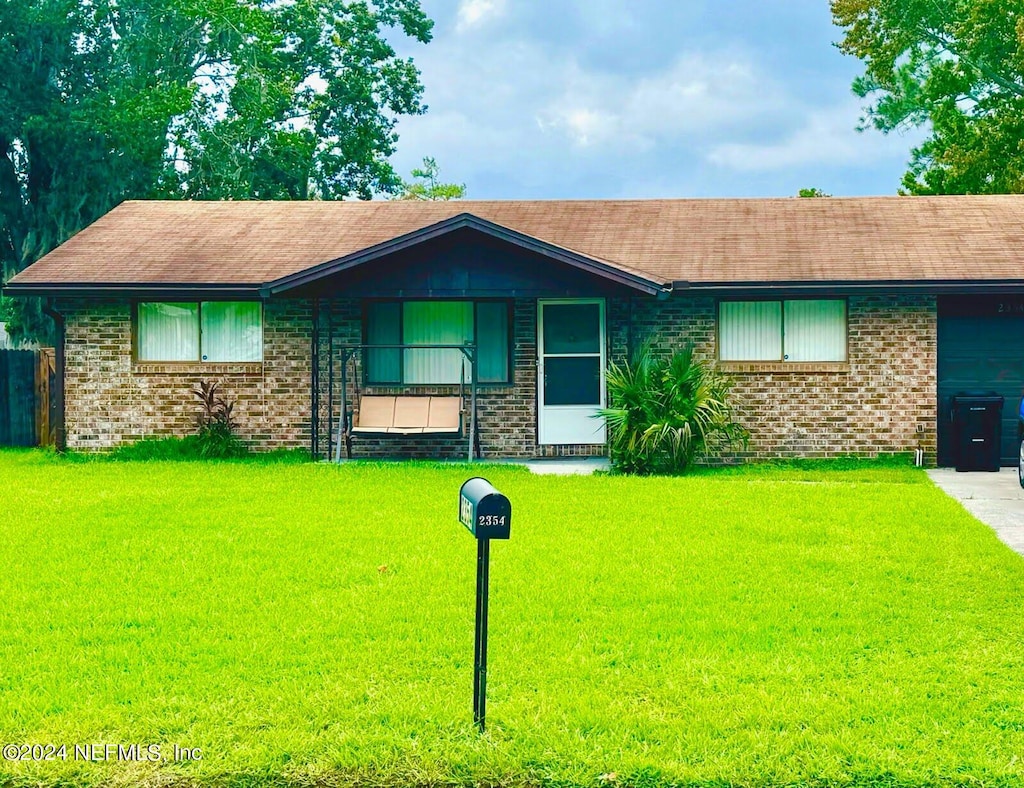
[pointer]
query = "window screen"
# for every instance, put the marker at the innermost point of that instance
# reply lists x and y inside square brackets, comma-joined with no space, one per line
[796,330]
[231,331]
[437,323]
[815,331]
[208,331]
[750,331]
[492,342]
[384,327]
[168,332]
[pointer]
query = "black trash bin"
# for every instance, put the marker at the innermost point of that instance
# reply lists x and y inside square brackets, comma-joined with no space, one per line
[976,431]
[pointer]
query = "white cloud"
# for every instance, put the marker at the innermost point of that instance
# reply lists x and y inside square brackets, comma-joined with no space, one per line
[473,13]
[702,93]
[695,96]
[826,137]
[540,116]
[583,126]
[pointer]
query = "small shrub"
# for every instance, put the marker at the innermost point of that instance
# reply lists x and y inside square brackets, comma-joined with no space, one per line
[664,411]
[216,438]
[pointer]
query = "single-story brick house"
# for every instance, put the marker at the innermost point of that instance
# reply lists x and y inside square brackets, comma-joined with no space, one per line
[847,323]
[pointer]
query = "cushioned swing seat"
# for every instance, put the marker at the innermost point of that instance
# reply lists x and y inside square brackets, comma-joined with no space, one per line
[409,415]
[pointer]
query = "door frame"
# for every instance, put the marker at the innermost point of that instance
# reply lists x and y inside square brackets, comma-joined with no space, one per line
[602,347]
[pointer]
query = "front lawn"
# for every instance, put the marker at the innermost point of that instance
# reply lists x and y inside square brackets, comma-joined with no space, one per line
[309,624]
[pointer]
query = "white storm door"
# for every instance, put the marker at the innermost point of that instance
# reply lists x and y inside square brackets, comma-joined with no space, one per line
[570,371]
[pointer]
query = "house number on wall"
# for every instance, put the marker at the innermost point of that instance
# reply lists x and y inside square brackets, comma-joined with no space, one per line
[1011,307]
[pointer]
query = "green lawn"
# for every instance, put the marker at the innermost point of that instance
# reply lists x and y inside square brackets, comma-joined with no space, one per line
[308,624]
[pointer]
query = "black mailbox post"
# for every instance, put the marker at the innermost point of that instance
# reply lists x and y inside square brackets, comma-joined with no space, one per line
[488,515]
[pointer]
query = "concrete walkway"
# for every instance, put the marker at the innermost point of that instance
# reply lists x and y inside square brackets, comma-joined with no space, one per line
[575,466]
[994,498]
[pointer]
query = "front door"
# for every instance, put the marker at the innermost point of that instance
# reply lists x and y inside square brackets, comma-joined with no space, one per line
[570,371]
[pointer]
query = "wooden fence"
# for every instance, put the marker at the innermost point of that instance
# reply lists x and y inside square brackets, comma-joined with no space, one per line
[26,408]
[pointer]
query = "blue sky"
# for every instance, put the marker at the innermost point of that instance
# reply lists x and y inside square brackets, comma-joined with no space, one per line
[533,99]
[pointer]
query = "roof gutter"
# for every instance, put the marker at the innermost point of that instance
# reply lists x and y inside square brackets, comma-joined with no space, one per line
[132,289]
[923,286]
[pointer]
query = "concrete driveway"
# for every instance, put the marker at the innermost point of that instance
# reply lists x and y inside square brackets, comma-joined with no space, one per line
[994,498]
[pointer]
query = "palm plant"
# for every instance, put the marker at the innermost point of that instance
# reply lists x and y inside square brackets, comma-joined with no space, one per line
[665,411]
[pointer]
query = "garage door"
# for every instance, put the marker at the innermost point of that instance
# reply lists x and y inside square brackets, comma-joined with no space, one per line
[980,349]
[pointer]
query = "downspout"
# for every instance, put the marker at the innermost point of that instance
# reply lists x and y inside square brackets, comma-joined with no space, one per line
[629,332]
[314,383]
[57,396]
[330,379]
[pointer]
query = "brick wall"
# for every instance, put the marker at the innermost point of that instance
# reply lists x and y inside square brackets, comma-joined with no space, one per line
[881,400]
[112,400]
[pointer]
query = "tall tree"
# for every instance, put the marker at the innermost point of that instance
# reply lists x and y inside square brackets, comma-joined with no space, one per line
[427,184]
[955,66]
[108,100]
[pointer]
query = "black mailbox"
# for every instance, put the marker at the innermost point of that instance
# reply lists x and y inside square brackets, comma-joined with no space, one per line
[483,510]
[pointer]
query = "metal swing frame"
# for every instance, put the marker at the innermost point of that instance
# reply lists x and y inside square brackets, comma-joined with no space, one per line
[347,352]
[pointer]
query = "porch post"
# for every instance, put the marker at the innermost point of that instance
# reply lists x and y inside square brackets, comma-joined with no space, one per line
[344,404]
[472,407]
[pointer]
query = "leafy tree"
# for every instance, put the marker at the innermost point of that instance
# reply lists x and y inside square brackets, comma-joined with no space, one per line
[218,99]
[814,191]
[428,187]
[956,66]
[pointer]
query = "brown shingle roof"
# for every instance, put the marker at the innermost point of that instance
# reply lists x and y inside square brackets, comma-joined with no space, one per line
[701,241]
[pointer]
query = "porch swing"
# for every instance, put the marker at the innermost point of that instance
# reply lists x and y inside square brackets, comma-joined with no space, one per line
[402,415]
